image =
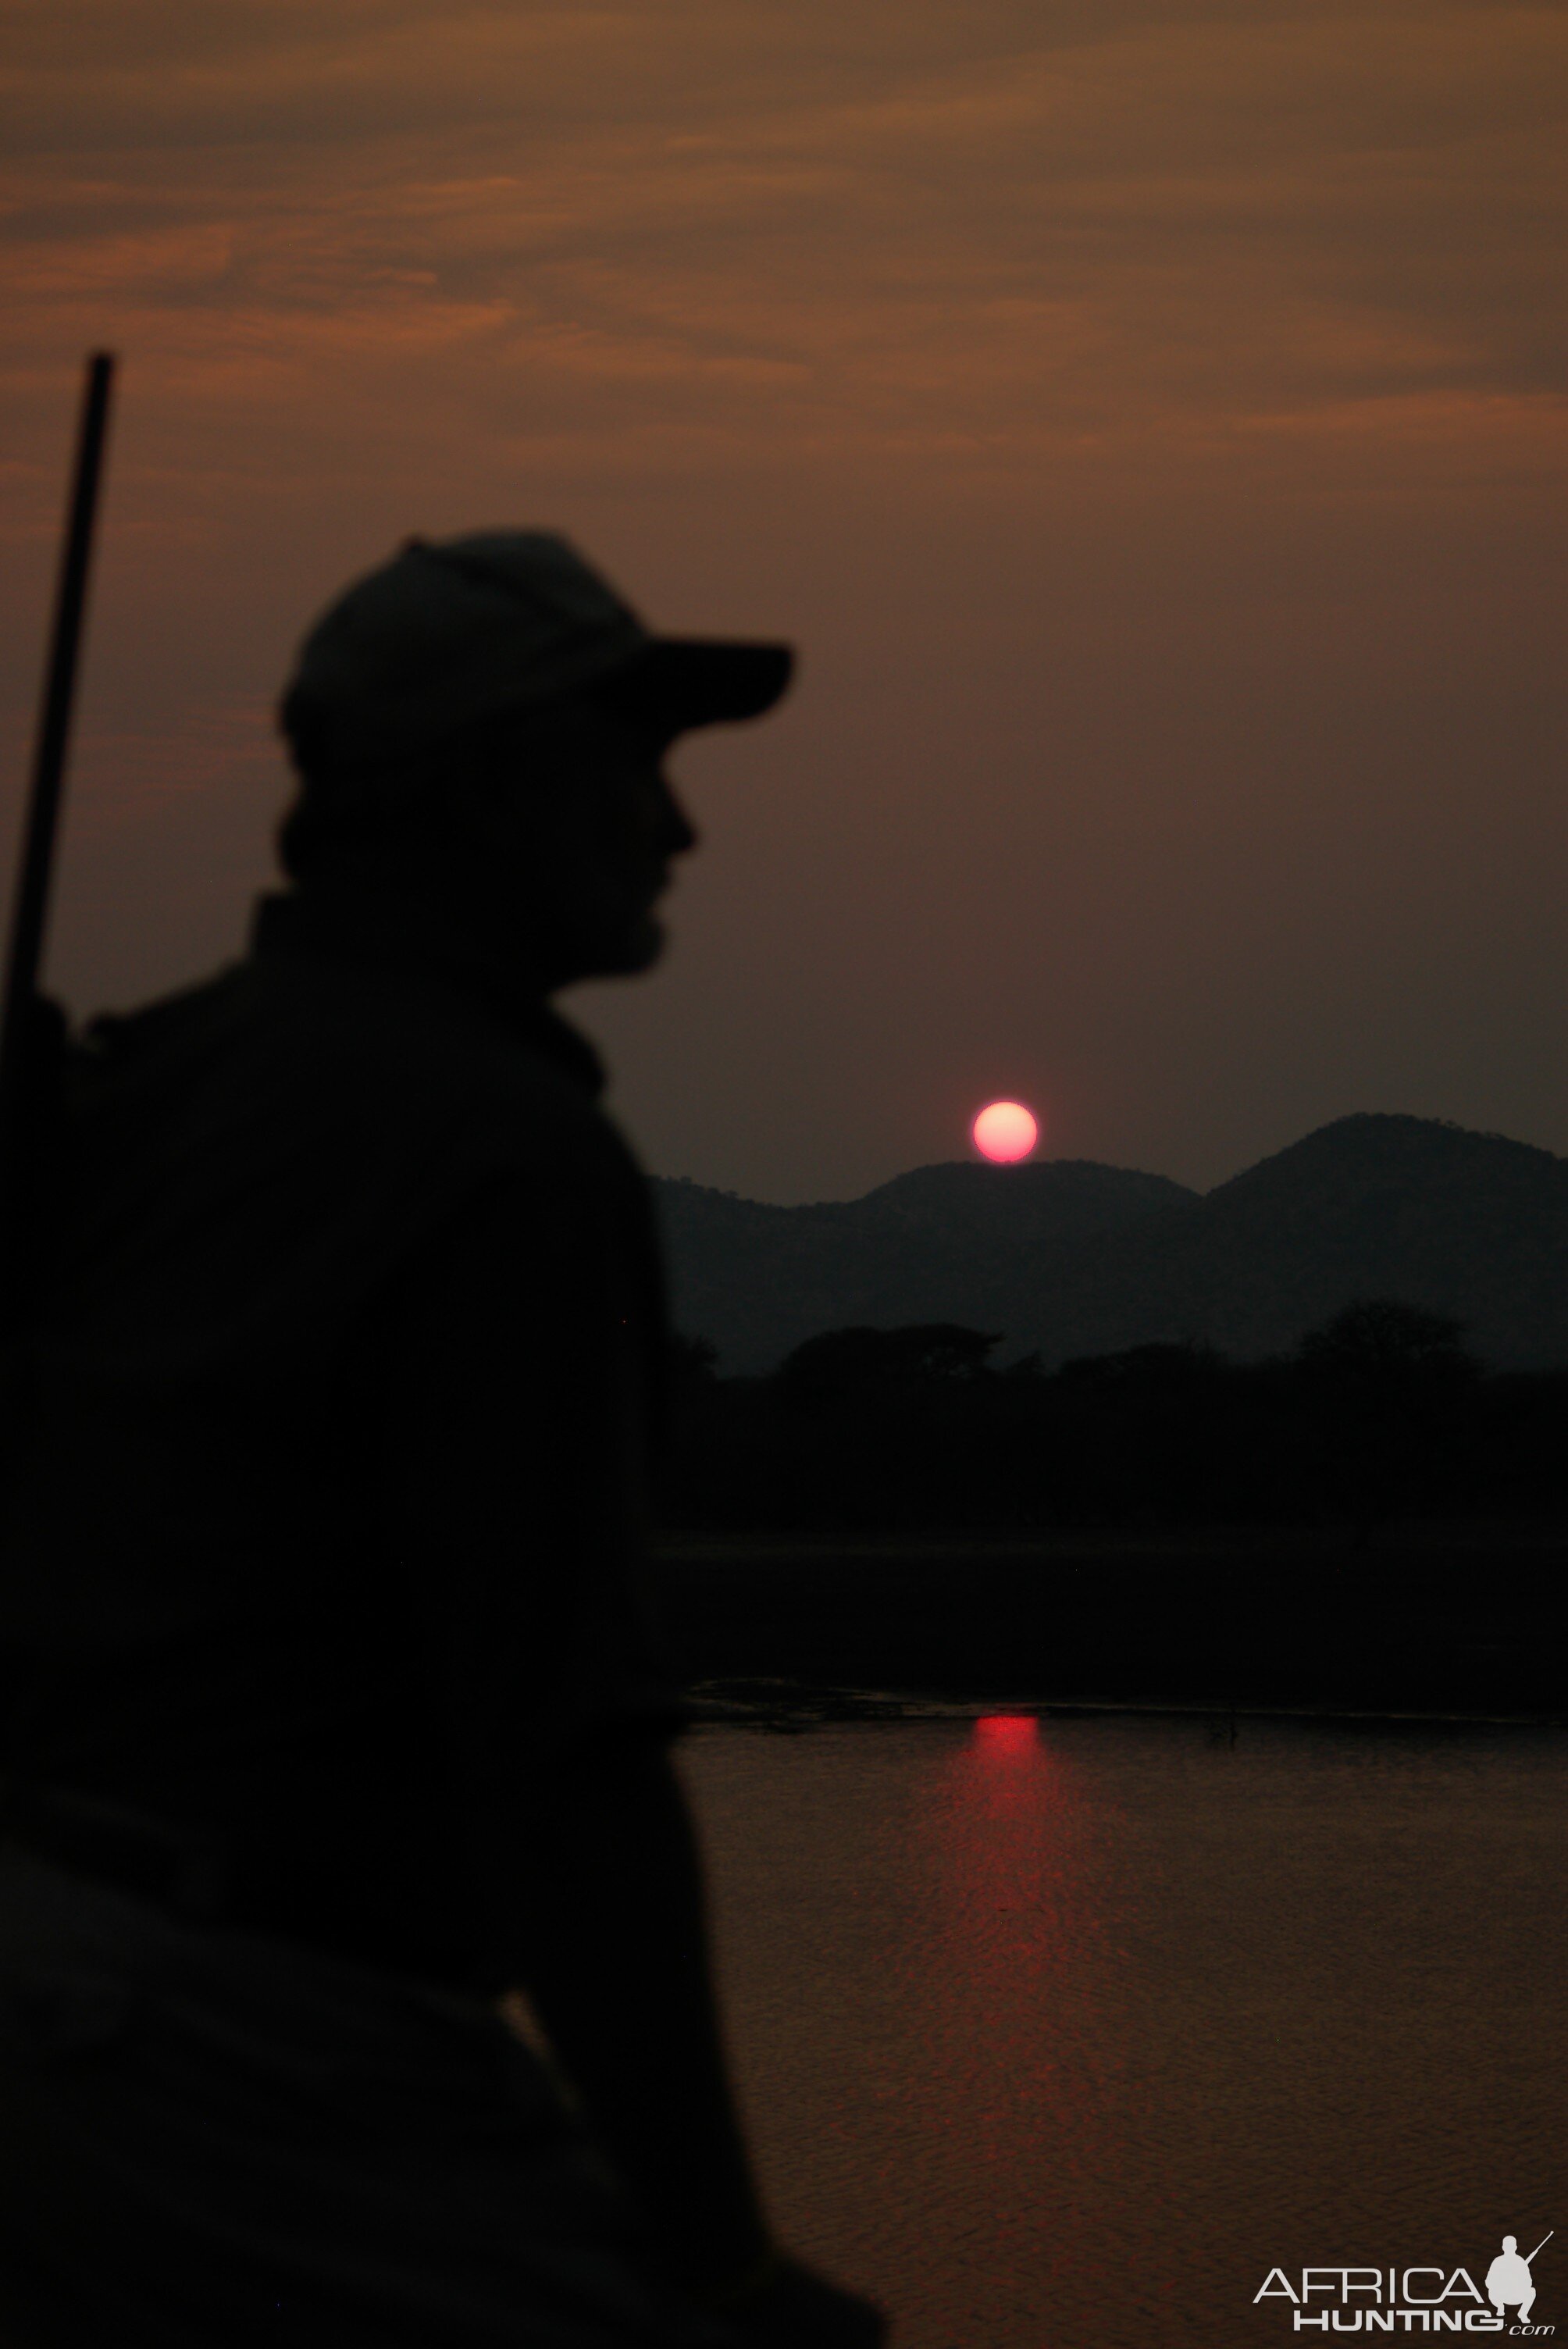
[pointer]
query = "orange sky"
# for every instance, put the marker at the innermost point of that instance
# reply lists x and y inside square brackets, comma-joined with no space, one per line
[1148,421]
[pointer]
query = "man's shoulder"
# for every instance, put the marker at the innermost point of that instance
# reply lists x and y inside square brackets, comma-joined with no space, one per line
[336,1082]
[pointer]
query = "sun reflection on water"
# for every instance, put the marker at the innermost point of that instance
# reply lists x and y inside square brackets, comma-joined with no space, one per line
[1021,2043]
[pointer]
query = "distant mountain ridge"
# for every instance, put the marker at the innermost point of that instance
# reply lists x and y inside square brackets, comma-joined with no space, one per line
[1067,1256]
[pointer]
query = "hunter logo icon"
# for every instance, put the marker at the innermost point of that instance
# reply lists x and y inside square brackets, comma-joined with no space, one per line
[1508,2282]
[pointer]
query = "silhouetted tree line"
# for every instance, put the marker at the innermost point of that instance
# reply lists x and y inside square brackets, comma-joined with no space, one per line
[1380,1414]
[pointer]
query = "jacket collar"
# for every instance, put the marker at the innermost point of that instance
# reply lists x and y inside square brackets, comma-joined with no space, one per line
[369,933]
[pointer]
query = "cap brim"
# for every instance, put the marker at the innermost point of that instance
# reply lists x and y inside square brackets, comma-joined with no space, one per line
[677,683]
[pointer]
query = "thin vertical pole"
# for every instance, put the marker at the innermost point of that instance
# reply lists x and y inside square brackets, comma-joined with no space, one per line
[23,1022]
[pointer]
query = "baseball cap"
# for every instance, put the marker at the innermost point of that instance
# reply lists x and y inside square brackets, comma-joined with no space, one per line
[454,631]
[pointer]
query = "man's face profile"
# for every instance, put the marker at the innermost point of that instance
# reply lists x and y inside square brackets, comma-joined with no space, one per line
[479,726]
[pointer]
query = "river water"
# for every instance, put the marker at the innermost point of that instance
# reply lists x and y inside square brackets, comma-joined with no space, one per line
[1070,2031]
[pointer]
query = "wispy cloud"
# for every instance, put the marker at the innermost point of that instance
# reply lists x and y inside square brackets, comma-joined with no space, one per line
[1223,219]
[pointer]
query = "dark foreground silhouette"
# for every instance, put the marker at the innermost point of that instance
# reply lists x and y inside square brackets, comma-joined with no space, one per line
[329,1710]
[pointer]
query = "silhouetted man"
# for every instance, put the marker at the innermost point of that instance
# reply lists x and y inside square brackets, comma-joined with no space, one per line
[329,1710]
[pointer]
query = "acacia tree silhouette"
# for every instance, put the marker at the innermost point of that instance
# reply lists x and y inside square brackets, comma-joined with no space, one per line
[1376,1334]
[1381,1411]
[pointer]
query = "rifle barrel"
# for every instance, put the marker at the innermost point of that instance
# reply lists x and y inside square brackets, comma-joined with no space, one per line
[30,903]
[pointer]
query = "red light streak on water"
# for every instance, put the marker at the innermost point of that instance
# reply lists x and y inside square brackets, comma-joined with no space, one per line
[1007,1733]
[1017,1978]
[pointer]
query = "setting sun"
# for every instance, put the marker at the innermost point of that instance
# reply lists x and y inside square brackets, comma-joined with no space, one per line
[1004,1131]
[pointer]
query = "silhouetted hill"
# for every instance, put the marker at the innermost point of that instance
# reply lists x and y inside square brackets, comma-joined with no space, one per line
[1073,1258]
[1048,1200]
[930,1246]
